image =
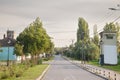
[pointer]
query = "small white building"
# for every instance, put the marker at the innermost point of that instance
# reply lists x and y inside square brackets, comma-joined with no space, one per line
[109,47]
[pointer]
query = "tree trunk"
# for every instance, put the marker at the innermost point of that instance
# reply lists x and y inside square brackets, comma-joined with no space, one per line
[22,58]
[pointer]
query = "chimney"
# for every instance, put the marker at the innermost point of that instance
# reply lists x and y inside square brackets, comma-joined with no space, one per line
[10,34]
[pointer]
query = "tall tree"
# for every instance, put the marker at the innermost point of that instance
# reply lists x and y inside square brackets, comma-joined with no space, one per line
[84,48]
[82,39]
[83,31]
[96,37]
[35,39]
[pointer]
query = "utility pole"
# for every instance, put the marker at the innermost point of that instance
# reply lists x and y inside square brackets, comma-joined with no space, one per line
[8,52]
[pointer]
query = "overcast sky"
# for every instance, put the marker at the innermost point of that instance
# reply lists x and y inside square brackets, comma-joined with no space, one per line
[59,17]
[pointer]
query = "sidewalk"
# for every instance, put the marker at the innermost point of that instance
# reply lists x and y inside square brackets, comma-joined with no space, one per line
[109,74]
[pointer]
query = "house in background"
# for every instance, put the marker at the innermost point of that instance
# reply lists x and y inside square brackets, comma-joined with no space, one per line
[7,46]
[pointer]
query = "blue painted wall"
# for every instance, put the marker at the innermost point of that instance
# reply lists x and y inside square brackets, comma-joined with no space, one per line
[4,53]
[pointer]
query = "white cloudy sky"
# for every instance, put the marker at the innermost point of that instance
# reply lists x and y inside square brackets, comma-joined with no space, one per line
[59,17]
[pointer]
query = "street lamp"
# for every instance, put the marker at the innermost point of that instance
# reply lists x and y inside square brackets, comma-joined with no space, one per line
[112,8]
[115,9]
[8,52]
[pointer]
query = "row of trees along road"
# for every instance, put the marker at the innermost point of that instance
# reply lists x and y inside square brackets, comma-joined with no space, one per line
[33,40]
[86,48]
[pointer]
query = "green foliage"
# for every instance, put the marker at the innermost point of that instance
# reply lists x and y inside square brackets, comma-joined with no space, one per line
[40,61]
[35,40]
[18,50]
[84,48]
[81,46]
[111,27]
[32,73]
[93,51]
[4,75]
[96,39]
[12,71]
[82,32]
[21,72]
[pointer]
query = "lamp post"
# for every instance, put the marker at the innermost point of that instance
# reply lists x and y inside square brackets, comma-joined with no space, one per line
[8,52]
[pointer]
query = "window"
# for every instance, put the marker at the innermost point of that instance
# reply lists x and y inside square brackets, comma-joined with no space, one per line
[109,36]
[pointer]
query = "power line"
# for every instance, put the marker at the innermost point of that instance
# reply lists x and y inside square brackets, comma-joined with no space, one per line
[108,17]
[104,18]
[116,19]
[63,32]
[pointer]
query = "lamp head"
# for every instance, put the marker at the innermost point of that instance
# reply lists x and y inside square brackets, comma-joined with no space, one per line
[112,9]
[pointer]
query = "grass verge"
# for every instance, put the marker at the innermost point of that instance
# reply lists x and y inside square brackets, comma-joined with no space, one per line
[32,73]
[111,67]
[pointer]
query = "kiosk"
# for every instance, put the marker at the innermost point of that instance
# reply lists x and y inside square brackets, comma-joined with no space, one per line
[108,46]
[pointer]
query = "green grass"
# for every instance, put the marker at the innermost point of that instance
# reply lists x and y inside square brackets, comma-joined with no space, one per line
[114,68]
[32,73]
[96,63]
[111,67]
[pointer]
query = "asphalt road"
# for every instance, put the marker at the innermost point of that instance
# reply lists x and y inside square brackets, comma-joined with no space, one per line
[64,70]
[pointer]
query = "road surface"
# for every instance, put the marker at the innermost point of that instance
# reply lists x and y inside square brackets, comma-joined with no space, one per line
[64,70]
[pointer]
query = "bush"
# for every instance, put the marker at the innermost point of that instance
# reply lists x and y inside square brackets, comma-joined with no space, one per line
[15,71]
[5,75]
[19,73]
[40,61]
[12,71]
[45,59]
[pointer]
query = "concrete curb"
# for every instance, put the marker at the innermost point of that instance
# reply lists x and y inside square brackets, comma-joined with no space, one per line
[98,71]
[41,76]
[82,67]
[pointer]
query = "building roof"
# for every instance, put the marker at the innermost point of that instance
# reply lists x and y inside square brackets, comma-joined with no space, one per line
[101,33]
[8,40]
[4,42]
